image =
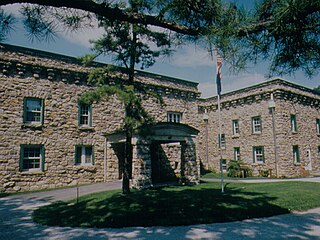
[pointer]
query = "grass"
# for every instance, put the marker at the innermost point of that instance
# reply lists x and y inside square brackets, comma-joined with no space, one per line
[210,174]
[183,205]
[3,195]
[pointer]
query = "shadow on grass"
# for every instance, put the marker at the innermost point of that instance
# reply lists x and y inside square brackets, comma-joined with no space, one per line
[3,195]
[169,206]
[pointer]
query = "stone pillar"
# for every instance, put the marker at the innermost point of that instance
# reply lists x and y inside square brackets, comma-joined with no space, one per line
[189,165]
[141,177]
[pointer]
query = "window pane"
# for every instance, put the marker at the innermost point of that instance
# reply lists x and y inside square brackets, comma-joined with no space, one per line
[31,157]
[256,124]
[88,155]
[33,110]
[295,151]
[84,117]
[174,117]
[78,154]
[258,154]
[236,129]
[83,155]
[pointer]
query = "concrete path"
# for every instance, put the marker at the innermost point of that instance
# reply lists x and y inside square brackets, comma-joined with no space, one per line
[16,223]
[264,180]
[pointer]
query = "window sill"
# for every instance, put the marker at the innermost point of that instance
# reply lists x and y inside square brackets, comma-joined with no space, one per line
[86,128]
[258,163]
[236,136]
[85,168]
[256,133]
[33,126]
[294,132]
[31,172]
[84,165]
[297,164]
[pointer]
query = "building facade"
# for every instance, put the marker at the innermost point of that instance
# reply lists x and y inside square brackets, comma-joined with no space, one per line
[272,127]
[48,139]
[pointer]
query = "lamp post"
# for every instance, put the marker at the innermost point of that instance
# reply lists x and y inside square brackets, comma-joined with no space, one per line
[272,107]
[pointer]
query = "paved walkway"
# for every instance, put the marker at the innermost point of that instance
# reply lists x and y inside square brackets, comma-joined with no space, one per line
[16,223]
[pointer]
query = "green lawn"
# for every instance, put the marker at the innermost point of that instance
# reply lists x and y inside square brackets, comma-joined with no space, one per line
[183,205]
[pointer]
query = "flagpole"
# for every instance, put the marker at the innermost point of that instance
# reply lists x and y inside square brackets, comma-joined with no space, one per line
[220,151]
[218,81]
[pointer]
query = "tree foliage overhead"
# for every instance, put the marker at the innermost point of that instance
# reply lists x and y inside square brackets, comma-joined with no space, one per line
[283,31]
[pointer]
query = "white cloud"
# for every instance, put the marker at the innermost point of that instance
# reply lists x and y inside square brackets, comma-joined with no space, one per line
[14,9]
[82,37]
[189,56]
[230,83]
[236,82]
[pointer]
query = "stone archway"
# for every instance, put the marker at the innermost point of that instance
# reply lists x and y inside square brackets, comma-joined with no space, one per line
[144,145]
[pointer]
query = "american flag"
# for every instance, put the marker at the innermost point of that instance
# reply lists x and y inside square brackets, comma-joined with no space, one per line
[219,75]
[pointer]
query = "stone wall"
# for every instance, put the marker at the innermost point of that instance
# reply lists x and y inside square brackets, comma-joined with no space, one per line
[254,101]
[59,81]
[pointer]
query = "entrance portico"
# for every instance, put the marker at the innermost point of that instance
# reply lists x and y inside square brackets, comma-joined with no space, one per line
[163,152]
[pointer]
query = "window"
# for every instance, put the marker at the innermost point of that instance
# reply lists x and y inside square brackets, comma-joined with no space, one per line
[258,154]
[293,122]
[256,124]
[33,110]
[319,150]
[174,117]
[296,154]
[318,126]
[223,165]
[32,158]
[84,155]
[235,127]
[236,151]
[222,141]
[85,115]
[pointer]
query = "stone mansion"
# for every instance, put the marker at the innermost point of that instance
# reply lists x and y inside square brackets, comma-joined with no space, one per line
[48,139]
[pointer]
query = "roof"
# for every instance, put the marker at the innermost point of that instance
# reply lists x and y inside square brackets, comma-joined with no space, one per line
[74,63]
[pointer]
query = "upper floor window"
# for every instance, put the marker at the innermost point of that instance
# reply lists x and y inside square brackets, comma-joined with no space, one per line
[33,110]
[258,154]
[293,122]
[256,124]
[235,127]
[174,117]
[32,158]
[222,141]
[85,115]
[318,126]
[236,151]
[296,154]
[84,155]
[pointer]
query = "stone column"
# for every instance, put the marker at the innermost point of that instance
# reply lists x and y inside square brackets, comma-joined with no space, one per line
[189,165]
[141,177]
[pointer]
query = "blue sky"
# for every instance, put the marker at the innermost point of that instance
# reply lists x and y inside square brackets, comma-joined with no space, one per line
[189,62]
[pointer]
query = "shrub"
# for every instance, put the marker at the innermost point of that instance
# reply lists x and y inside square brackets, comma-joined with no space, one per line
[233,169]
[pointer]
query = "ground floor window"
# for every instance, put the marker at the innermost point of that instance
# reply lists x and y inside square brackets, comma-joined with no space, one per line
[32,158]
[84,155]
[236,153]
[258,154]
[296,154]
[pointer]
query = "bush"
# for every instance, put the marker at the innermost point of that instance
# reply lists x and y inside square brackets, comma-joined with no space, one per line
[238,169]
[234,169]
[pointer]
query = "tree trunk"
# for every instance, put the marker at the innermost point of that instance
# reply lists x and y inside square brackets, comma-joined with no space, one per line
[127,162]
